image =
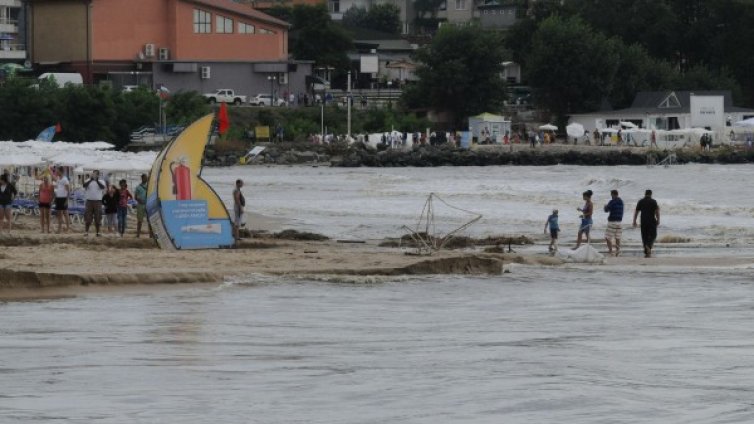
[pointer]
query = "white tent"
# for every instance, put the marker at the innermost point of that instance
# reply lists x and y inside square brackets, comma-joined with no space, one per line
[120,165]
[21,159]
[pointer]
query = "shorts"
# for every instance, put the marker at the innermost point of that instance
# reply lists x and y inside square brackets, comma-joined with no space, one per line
[3,207]
[44,205]
[141,212]
[238,217]
[614,231]
[61,203]
[586,225]
[554,233]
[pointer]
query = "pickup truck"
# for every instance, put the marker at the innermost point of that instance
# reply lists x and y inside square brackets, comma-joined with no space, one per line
[225,95]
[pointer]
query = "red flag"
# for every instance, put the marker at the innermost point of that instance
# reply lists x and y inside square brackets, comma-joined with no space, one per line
[222,119]
[58,128]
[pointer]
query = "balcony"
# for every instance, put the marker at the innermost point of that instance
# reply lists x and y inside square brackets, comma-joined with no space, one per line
[9,25]
[12,51]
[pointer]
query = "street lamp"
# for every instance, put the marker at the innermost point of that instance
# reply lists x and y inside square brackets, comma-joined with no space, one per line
[272,79]
[348,97]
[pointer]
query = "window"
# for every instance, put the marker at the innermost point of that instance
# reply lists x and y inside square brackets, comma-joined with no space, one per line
[460,4]
[202,22]
[223,25]
[245,28]
[334,6]
[266,31]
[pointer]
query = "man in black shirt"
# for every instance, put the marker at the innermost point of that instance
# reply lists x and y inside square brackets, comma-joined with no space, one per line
[650,219]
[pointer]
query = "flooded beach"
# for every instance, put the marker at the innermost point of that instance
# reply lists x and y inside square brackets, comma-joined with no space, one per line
[622,342]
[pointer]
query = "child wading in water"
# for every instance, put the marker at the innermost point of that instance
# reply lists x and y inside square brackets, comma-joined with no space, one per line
[552,223]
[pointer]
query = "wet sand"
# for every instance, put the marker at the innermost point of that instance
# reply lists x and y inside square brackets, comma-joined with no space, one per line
[34,264]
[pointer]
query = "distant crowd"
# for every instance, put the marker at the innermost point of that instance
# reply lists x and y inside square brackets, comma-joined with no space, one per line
[100,198]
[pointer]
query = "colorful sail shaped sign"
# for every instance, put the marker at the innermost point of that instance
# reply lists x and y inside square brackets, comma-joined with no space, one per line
[183,210]
[47,134]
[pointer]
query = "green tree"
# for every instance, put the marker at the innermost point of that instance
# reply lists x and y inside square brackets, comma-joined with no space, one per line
[355,17]
[459,73]
[637,71]
[134,109]
[384,17]
[185,107]
[314,36]
[571,66]
[27,110]
[88,113]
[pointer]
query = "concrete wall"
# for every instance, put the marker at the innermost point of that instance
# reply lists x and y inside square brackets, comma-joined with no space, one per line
[240,77]
[213,46]
[122,28]
[59,31]
[119,30]
[497,17]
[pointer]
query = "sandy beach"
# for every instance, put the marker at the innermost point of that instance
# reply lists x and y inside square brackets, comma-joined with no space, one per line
[40,265]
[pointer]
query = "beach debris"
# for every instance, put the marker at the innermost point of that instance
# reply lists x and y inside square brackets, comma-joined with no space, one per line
[426,237]
[584,254]
[299,235]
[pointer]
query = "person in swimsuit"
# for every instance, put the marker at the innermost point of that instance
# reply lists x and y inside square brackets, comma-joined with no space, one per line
[586,219]
[46,194]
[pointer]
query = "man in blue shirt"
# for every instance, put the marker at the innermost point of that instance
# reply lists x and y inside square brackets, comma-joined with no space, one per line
[614,208]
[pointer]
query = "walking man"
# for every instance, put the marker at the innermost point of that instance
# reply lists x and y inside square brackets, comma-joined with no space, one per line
[239,203]
[614,230]
[94,189]
[650,220]
[140,195]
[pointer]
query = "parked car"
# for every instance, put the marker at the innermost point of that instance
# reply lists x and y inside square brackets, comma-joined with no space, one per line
[266,100]
[225,95]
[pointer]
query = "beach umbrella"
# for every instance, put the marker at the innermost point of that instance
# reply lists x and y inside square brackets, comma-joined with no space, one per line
[548,127]
[575,130]
[746,123]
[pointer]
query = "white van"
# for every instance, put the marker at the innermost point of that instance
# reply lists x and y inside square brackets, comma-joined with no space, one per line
[62,78]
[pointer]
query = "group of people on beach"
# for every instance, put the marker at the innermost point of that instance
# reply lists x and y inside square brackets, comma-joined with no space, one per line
[99,196]
[646,209]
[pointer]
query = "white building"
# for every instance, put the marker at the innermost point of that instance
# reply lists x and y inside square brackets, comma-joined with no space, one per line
[670,110]
[12,46]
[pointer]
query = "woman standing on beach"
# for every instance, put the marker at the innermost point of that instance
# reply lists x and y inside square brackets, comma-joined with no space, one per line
[7,193]
[46,194]
[110,203]
[586,218]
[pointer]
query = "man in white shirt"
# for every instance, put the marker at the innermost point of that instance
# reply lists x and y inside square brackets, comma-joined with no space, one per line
[62,192]
[94,189]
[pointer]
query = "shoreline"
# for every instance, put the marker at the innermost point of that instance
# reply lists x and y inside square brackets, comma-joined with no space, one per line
[357,155]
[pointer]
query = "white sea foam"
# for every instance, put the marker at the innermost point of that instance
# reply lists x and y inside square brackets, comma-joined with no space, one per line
[701,202]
